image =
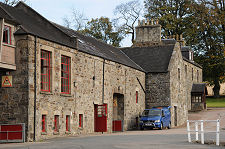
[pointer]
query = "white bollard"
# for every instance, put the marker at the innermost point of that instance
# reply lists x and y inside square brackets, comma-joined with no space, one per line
[196,131]
[218,132]
[188,130]
[202,132]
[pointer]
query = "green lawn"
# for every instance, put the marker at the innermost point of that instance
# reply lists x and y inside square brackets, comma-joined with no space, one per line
[215,102]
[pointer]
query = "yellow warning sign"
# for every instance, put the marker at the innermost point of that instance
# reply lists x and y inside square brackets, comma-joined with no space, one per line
[6,81]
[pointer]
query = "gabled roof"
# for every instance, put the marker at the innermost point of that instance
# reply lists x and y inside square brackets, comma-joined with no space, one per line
[192,62]
[199,88]
[152,58]
[33,23]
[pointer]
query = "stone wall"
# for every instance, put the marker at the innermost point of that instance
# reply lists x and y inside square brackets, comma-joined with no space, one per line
[14,100]
[194,76]
[86,91]
[178,93]
[157,89]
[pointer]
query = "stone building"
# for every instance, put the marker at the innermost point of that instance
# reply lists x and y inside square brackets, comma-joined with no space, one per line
[170,75]
[62,82]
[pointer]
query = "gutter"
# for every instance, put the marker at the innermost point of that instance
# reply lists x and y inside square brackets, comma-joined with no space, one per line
[35,85]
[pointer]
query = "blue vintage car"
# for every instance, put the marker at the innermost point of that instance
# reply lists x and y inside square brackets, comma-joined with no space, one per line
[157,117]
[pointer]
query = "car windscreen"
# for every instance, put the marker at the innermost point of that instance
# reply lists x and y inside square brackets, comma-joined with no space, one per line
[151,112]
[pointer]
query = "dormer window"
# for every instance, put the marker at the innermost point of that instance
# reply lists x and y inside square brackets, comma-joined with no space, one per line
[7,35]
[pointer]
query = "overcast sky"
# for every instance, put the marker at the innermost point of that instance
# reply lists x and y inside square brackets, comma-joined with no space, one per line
[56,10]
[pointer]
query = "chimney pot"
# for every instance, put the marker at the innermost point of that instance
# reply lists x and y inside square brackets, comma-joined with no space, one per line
[152,21]
[139,22]
[181,36]
[148,23]
[177,37]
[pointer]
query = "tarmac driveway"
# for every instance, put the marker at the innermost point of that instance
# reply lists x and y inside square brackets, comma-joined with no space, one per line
[147,139]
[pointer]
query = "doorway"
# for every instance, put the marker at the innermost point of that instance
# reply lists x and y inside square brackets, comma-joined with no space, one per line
[100,112]
[118,112]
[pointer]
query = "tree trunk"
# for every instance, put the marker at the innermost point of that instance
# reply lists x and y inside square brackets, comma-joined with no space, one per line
[216,88]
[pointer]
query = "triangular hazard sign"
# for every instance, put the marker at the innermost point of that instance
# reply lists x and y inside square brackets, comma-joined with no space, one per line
[6,82]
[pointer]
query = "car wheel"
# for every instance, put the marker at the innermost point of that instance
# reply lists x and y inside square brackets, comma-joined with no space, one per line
[161,126]
[169,126]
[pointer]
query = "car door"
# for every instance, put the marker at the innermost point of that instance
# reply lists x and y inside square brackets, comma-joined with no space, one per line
[166,123]
[164,118]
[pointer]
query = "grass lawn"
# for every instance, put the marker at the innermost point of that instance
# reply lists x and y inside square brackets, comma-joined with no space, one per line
[215,102]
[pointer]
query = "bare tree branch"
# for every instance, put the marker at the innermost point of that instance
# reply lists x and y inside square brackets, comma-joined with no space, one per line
[12,2]
[128,13]
[76,20]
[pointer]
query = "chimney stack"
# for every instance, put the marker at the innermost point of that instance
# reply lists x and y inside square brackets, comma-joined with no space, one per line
[148,32]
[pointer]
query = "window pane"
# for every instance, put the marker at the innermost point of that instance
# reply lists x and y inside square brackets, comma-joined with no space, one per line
[45,71]
[6,34]
[65,74]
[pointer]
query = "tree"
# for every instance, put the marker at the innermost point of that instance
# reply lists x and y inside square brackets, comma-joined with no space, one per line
[202,23]
[172,14]
[12,2]
[77,20]
[128,13]
[102,28]
[207,35]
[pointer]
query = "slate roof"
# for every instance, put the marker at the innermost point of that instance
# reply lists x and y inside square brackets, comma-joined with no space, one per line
[153,58]
[33,23]
[199,88]
[192,62]
[186,48]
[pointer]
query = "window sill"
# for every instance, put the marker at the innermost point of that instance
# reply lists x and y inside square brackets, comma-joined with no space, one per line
[46,93]
[55,133]
[9,45]
[66,95]
[43,133]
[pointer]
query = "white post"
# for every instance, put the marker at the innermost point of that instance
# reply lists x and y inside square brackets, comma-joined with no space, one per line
[188,130]
[202,132]
[218,133]
[196,131]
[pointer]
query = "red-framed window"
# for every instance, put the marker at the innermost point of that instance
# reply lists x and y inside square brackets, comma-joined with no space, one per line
[65,75]
[43,124]
[7,35]
[56,123]
[45,71]
[67,123]
[136,96]
[80,120]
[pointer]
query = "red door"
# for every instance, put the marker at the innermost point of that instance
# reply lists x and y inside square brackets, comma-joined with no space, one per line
[101,118]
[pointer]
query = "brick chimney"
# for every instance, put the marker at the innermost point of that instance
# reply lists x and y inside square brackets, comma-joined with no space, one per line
[148,32]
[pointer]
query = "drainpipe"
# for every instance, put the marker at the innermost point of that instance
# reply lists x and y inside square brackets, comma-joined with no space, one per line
[35,84]
[103,80]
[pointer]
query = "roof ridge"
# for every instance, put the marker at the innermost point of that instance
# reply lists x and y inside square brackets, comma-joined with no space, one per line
[6,11]
[50,22]
[99,40]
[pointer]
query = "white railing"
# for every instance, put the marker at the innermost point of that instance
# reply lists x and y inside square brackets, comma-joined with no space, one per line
[202,131]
